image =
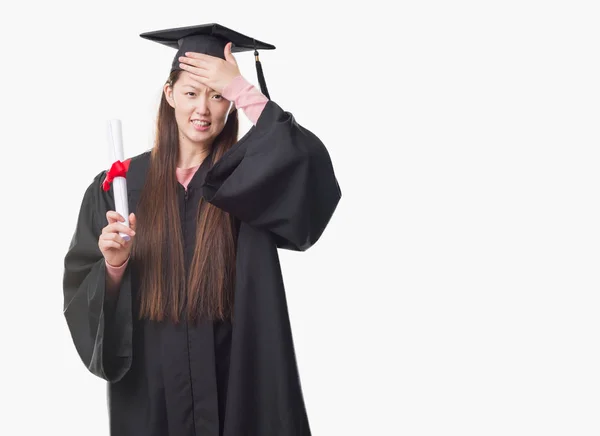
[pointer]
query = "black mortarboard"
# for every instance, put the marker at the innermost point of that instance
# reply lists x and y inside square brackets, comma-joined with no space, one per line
[209,39]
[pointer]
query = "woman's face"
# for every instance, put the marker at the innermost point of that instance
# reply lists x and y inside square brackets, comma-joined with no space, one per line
[200,111]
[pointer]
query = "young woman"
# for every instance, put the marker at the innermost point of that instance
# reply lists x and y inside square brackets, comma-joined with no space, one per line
[187,320]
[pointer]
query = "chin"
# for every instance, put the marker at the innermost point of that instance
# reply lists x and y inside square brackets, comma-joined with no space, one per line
[201,137]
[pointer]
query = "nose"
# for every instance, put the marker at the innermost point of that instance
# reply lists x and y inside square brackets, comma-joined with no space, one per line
[202,105]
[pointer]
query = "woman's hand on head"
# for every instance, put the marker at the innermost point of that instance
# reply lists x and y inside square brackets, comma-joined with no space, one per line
[211,71]
[112,245]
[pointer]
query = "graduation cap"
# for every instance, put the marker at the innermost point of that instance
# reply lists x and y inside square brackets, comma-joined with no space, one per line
[209,39]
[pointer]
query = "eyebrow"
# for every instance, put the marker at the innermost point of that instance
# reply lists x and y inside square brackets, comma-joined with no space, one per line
[195,88]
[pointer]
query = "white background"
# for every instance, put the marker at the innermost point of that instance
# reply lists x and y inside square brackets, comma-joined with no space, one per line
[455,291]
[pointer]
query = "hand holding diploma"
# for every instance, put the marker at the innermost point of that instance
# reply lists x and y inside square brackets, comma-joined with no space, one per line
[114,247]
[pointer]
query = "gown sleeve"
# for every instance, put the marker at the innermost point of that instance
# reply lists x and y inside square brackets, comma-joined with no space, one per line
[100,326]
[278,177]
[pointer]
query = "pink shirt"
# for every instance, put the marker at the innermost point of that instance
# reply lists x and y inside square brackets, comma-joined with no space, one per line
[245,96]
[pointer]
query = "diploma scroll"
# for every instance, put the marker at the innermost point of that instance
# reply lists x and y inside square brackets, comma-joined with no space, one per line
[115,142]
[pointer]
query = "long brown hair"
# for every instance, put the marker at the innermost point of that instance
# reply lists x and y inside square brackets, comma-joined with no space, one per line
[207,291]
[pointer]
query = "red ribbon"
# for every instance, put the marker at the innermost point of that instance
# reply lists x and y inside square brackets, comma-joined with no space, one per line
[117,169]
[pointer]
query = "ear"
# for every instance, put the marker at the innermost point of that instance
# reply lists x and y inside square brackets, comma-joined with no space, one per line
[168,90]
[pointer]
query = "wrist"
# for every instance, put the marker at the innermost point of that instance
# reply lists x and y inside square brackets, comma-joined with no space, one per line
[116,266]
[233,88]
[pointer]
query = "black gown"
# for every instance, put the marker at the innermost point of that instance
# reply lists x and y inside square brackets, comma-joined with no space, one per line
[216,378]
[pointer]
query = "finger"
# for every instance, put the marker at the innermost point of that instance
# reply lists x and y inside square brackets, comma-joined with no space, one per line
[199,56]
[200,63]
[109,244]
[197,79]
[113,216]
[195,65]
[118,227]
[120,243]
[202,72]
[133,221]
[114,237]
[229,54]
[200,80]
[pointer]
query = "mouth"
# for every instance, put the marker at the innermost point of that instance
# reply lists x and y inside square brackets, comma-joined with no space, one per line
[201,126]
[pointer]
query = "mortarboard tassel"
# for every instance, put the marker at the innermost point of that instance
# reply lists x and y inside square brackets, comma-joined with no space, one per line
[261,77]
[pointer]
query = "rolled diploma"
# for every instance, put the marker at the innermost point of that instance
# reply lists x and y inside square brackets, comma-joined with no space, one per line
[115,142]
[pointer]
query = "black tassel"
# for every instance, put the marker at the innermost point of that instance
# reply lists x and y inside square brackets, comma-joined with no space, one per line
[261,77]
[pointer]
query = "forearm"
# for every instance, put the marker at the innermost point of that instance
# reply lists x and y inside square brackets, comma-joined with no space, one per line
[246,97]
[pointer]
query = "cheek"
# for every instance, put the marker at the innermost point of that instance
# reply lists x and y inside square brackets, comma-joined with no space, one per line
[183,112]
[219,113]
[180,117]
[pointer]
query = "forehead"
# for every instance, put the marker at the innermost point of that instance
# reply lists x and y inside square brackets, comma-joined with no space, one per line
[186,80]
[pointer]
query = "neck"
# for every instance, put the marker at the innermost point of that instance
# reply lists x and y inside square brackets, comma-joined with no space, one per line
[191,155]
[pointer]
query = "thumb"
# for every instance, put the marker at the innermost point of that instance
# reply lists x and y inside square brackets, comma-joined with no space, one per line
[132,221]
[228,55]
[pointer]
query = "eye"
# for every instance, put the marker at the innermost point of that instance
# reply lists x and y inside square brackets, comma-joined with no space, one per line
[190,92]
[218,96]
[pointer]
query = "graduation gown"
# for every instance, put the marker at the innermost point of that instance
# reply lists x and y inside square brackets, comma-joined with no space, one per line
[216,378]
